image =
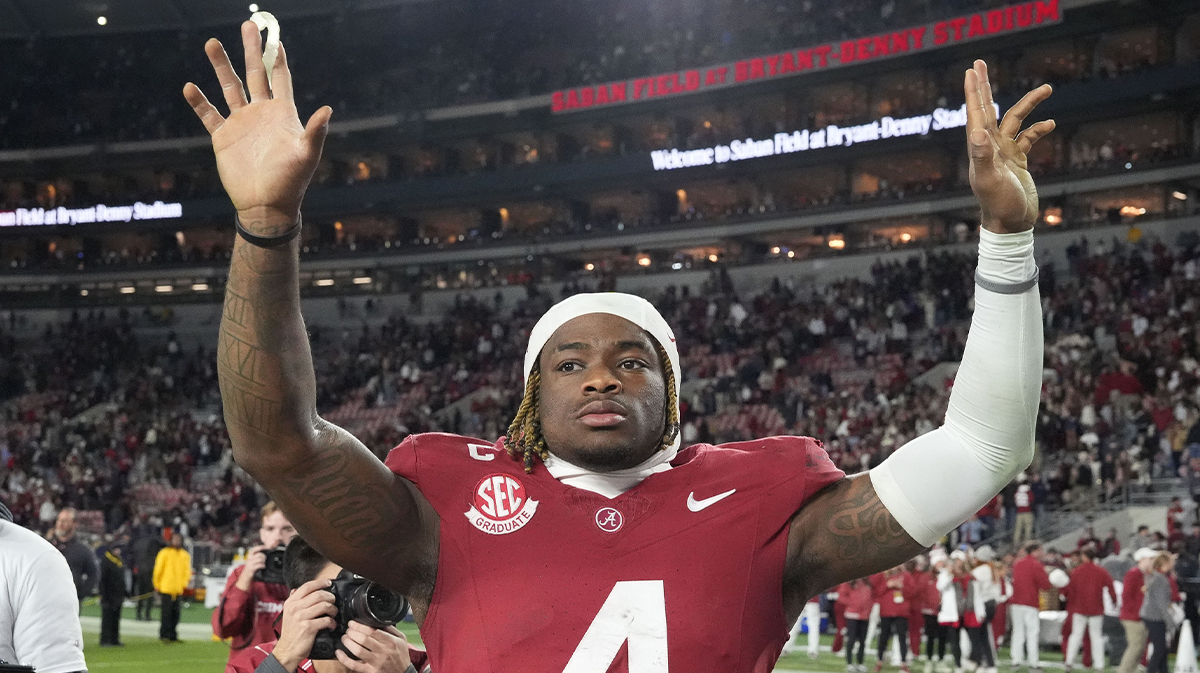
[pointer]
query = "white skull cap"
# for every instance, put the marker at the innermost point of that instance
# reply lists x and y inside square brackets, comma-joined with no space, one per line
[630,307]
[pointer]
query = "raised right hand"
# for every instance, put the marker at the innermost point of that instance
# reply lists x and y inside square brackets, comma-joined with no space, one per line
[264,156]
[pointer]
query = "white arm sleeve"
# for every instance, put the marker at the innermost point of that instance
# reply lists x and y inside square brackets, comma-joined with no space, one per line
[46,633]
[940,479]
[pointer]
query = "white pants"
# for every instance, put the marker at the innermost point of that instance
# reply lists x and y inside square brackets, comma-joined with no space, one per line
[812,617]
[1094,626]
[873,625]
[1025,627]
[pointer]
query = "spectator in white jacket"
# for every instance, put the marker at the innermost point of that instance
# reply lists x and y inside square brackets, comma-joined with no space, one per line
[987,594]
[954,583]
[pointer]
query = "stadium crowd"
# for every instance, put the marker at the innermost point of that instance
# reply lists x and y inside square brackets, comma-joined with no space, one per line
[420,57]
[101,420]
[126,431]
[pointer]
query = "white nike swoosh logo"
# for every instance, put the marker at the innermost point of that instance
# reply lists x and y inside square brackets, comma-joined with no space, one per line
[697,505]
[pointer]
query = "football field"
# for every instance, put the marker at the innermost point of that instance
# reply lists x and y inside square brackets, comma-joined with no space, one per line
[145,654]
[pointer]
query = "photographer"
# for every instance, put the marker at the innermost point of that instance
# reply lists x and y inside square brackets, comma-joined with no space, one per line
[309,610]
[39,612]
[252,600]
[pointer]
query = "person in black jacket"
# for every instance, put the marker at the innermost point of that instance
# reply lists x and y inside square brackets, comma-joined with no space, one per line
[80,557]
[147,541]
[112,593]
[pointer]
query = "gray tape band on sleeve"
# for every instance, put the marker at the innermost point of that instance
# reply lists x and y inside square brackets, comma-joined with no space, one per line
[1007,288]
[270,665]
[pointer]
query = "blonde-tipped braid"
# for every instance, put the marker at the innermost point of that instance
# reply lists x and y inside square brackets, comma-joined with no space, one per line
[525,440]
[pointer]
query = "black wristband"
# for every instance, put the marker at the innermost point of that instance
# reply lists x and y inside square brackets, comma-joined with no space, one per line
[268,241]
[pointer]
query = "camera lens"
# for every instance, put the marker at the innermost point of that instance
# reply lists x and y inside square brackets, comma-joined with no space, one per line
[385,605]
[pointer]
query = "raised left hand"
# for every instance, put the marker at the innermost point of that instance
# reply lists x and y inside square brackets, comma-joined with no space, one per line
[999,165]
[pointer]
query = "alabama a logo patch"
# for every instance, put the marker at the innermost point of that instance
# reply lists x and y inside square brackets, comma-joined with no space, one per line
[500,505]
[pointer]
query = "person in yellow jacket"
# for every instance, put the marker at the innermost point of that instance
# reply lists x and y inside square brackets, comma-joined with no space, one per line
[172,573]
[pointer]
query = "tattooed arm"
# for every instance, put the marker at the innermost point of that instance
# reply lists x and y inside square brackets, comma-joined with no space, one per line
[339,496]
[842,534]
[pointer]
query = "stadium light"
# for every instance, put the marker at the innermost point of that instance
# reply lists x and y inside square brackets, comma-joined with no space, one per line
[102,20]
[83,293]
[1179,195]
[323,282]
[128,289]
[837,243]
[362,280]
[775,250]
[712,258]
[906,237]
[644,261]
[590,267]
[791,254]
[1132,211]
[163,288]
[200,287]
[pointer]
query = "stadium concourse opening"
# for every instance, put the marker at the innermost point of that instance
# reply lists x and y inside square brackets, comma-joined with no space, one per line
[786,183]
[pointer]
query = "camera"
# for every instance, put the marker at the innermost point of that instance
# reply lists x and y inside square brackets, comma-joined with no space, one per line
[272,572]
[358,600]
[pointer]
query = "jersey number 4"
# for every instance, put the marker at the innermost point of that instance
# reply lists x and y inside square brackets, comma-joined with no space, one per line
[634,612]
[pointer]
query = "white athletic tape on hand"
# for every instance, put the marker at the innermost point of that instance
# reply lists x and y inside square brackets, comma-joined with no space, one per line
[267,21]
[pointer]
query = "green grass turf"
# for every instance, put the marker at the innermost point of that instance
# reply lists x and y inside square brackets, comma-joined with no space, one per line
[190,613]
[148,655]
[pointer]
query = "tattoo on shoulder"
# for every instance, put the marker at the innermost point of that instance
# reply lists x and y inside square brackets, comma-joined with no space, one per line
[364,516]
[861,526]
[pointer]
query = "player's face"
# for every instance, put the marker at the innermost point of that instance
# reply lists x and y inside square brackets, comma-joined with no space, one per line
[603,393]
[276,530]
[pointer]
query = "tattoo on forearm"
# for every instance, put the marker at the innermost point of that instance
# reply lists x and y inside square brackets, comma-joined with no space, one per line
[252,410]
[240,357]
[265,262]
[237,308]
[364,516]
[862,527]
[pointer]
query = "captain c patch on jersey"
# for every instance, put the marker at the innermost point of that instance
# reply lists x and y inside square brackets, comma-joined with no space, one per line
[500,505]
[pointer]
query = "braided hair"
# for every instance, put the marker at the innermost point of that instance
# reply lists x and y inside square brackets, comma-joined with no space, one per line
[525,441]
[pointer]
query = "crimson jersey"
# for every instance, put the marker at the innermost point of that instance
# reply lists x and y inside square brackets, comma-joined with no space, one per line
[683,572]
[248,617]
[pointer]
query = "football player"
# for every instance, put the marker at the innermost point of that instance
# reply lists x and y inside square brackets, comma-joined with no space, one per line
[587,539]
